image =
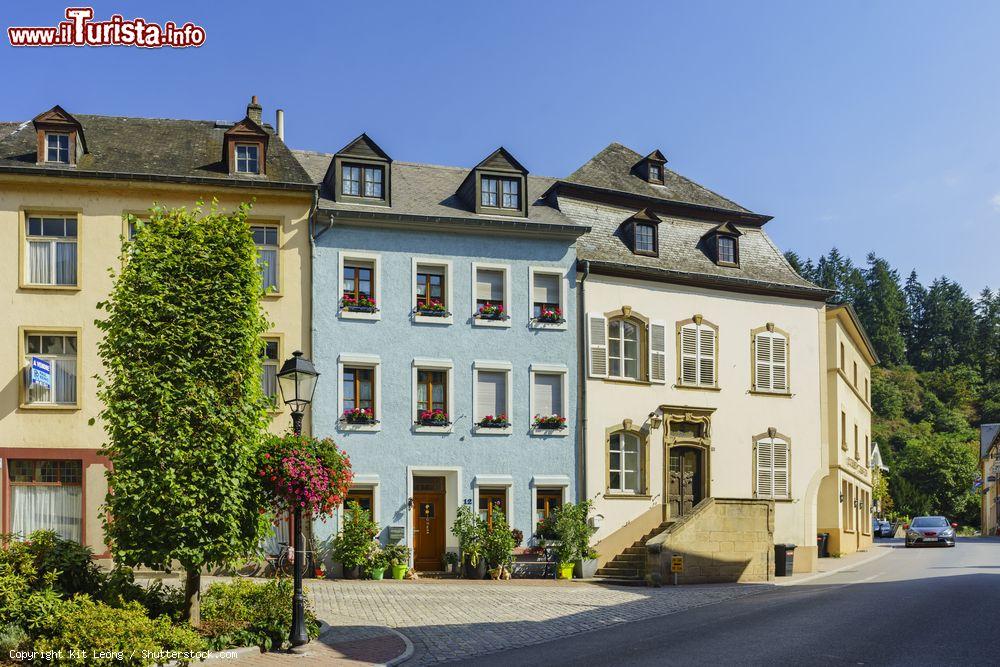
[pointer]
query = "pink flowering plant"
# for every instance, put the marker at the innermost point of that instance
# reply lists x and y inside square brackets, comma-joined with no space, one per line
[550,315]
[309,473]
[491,311]
[436,417]
[361,303]
[494,421]
[433,308]
[359,416]
[549,422]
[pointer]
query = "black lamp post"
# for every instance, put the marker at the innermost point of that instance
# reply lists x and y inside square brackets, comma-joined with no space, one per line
[297,381]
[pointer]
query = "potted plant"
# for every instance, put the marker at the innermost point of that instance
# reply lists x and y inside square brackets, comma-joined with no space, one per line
[491,421]
[377,562]
[358,304]
[546,528]
[549,422]
[550,316]
[491,311]
[518,536]
[359,416]
[433,308]
[573,537]
[353,546]
[450,561]
[470,530]
[436,417]
[398,557]
[498,546]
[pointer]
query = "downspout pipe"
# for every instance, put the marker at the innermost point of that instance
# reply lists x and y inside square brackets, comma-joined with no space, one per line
[581,315]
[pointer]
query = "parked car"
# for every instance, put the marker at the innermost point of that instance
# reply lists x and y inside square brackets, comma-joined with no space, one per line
[881,528]
[927,530]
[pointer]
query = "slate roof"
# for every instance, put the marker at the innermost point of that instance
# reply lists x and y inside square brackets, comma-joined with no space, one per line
[151,149]
[429,191]
[611,169]
[988,434]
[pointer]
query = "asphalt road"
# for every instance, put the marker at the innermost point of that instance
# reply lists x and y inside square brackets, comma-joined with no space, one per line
[926,606]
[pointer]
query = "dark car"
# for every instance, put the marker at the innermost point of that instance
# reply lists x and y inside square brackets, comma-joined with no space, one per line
[930,530]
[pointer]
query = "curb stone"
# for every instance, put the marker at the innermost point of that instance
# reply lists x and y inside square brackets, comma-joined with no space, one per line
[883,551]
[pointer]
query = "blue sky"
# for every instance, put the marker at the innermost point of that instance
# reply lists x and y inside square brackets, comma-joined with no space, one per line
[867,125]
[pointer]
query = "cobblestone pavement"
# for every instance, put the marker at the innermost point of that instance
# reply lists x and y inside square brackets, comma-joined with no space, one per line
[451,620]
[342,645]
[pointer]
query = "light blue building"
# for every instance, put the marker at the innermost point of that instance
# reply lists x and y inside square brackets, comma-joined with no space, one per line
[444,322]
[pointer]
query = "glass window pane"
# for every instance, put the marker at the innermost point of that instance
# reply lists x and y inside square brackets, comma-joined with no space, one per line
[70,345]
[34,226]
[52,344]
[53,227]
[70,227]
[615,480]
[34,344]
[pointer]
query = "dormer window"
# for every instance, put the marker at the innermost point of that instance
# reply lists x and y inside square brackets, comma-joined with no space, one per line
[722,245]
[247,158]
[501,192]
[57,147]
[727,250]
[361,180]
[641,233]
[650,168]
[654,172]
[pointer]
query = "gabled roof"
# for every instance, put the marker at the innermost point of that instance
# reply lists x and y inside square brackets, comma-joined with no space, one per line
[247,127]
[655,156]
[58,116]
[150,149]
[364,146]
[989,435]
[612,170]
[876,459]
[502,160]
[644,215]
[724,228]
[852,323]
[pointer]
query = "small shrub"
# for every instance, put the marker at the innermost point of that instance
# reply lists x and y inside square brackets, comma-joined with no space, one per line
[120,587]
[470,530]
[85,632]
[245,613]
[498,545]
[76,570]
[354,544]
[12,637]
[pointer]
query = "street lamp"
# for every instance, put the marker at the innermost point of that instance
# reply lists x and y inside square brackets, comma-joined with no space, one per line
[297,381]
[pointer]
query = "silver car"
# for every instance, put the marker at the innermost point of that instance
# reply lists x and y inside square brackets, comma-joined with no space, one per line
[927,530]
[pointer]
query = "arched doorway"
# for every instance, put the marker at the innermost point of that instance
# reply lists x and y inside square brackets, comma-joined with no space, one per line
[686,483]
[687,441]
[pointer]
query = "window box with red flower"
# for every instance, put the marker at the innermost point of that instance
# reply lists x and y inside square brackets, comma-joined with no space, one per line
[549,423]
[550,316]
[359,417]
[433,308]
[493,312]
[433,418]
[362,303]
[493,425]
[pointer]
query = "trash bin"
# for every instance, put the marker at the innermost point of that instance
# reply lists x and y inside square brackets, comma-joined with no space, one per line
[784,559]
[823,545]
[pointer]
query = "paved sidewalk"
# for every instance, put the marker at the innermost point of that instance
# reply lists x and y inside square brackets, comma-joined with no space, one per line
[825,566]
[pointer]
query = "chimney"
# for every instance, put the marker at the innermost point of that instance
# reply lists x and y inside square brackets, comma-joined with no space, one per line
[254,110]
[279,123]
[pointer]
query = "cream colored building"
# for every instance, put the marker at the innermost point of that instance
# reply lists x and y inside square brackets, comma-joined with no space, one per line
[65,182]
[845,506]
[989,456]
[702,361]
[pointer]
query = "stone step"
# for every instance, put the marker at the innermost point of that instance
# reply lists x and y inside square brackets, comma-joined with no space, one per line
[635,551]
[617,581]
[629,559]
[620,571]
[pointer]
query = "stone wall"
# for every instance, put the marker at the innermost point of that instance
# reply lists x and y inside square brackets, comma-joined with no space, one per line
[722,540]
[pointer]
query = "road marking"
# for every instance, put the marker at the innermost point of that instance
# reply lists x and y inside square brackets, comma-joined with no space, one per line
[883,551]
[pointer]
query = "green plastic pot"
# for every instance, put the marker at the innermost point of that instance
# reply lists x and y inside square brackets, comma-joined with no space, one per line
[377,573]
[398,572]
[566,570]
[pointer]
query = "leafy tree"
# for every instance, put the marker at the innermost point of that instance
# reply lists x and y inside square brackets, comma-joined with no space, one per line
[184,410]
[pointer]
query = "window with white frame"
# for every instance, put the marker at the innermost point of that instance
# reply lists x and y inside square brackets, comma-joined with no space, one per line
[499,192]
[59,352]
[547,393]
[432,393]
[247,158]
[431,289]
[57,147]
[265,237]
[546,297]
[770,360]
[51,250]
[358,180]
[624,348]
[491,299]
[625,463]
[269,373]
[698,349]
[46,495]
[492,396]
[771,469]
[360,400]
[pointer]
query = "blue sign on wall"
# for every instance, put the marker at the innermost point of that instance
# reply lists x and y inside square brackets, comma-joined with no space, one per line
[41,372]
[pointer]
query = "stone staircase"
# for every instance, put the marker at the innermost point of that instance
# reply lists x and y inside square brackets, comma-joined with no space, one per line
[629,567]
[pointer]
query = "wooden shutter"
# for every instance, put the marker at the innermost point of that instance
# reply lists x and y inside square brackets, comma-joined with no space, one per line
[658,352]
[597,343]
[689,354]
[780,474]
[762,361]
[706,355]
[765,465]
[779,362]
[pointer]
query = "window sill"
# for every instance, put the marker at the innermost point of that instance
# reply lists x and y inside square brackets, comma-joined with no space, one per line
[273,295]
[417,428]
[638,383]
[51,407]
[496,324]
[492,430]
[356,315]
[554,326]
[430,319]
[778,394]
[549,432]
[50,288]
[609,495]
[777,500]
[359,428]
[697,387]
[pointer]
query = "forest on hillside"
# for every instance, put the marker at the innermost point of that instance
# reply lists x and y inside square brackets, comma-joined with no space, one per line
[939,378]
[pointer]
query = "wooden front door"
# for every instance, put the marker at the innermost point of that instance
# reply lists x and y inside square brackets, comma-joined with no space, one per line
[685,480]
[428,530]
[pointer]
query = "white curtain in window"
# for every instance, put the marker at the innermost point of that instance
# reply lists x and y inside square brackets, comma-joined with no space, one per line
[491,394]
[39,262]
[269,380]
[65,384]
[65,263]
[489,285]
[267,258]
[548,394]
[55,508]
[546,288]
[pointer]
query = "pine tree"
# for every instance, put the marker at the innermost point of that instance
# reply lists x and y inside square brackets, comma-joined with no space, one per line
[914,332]
[881,305]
